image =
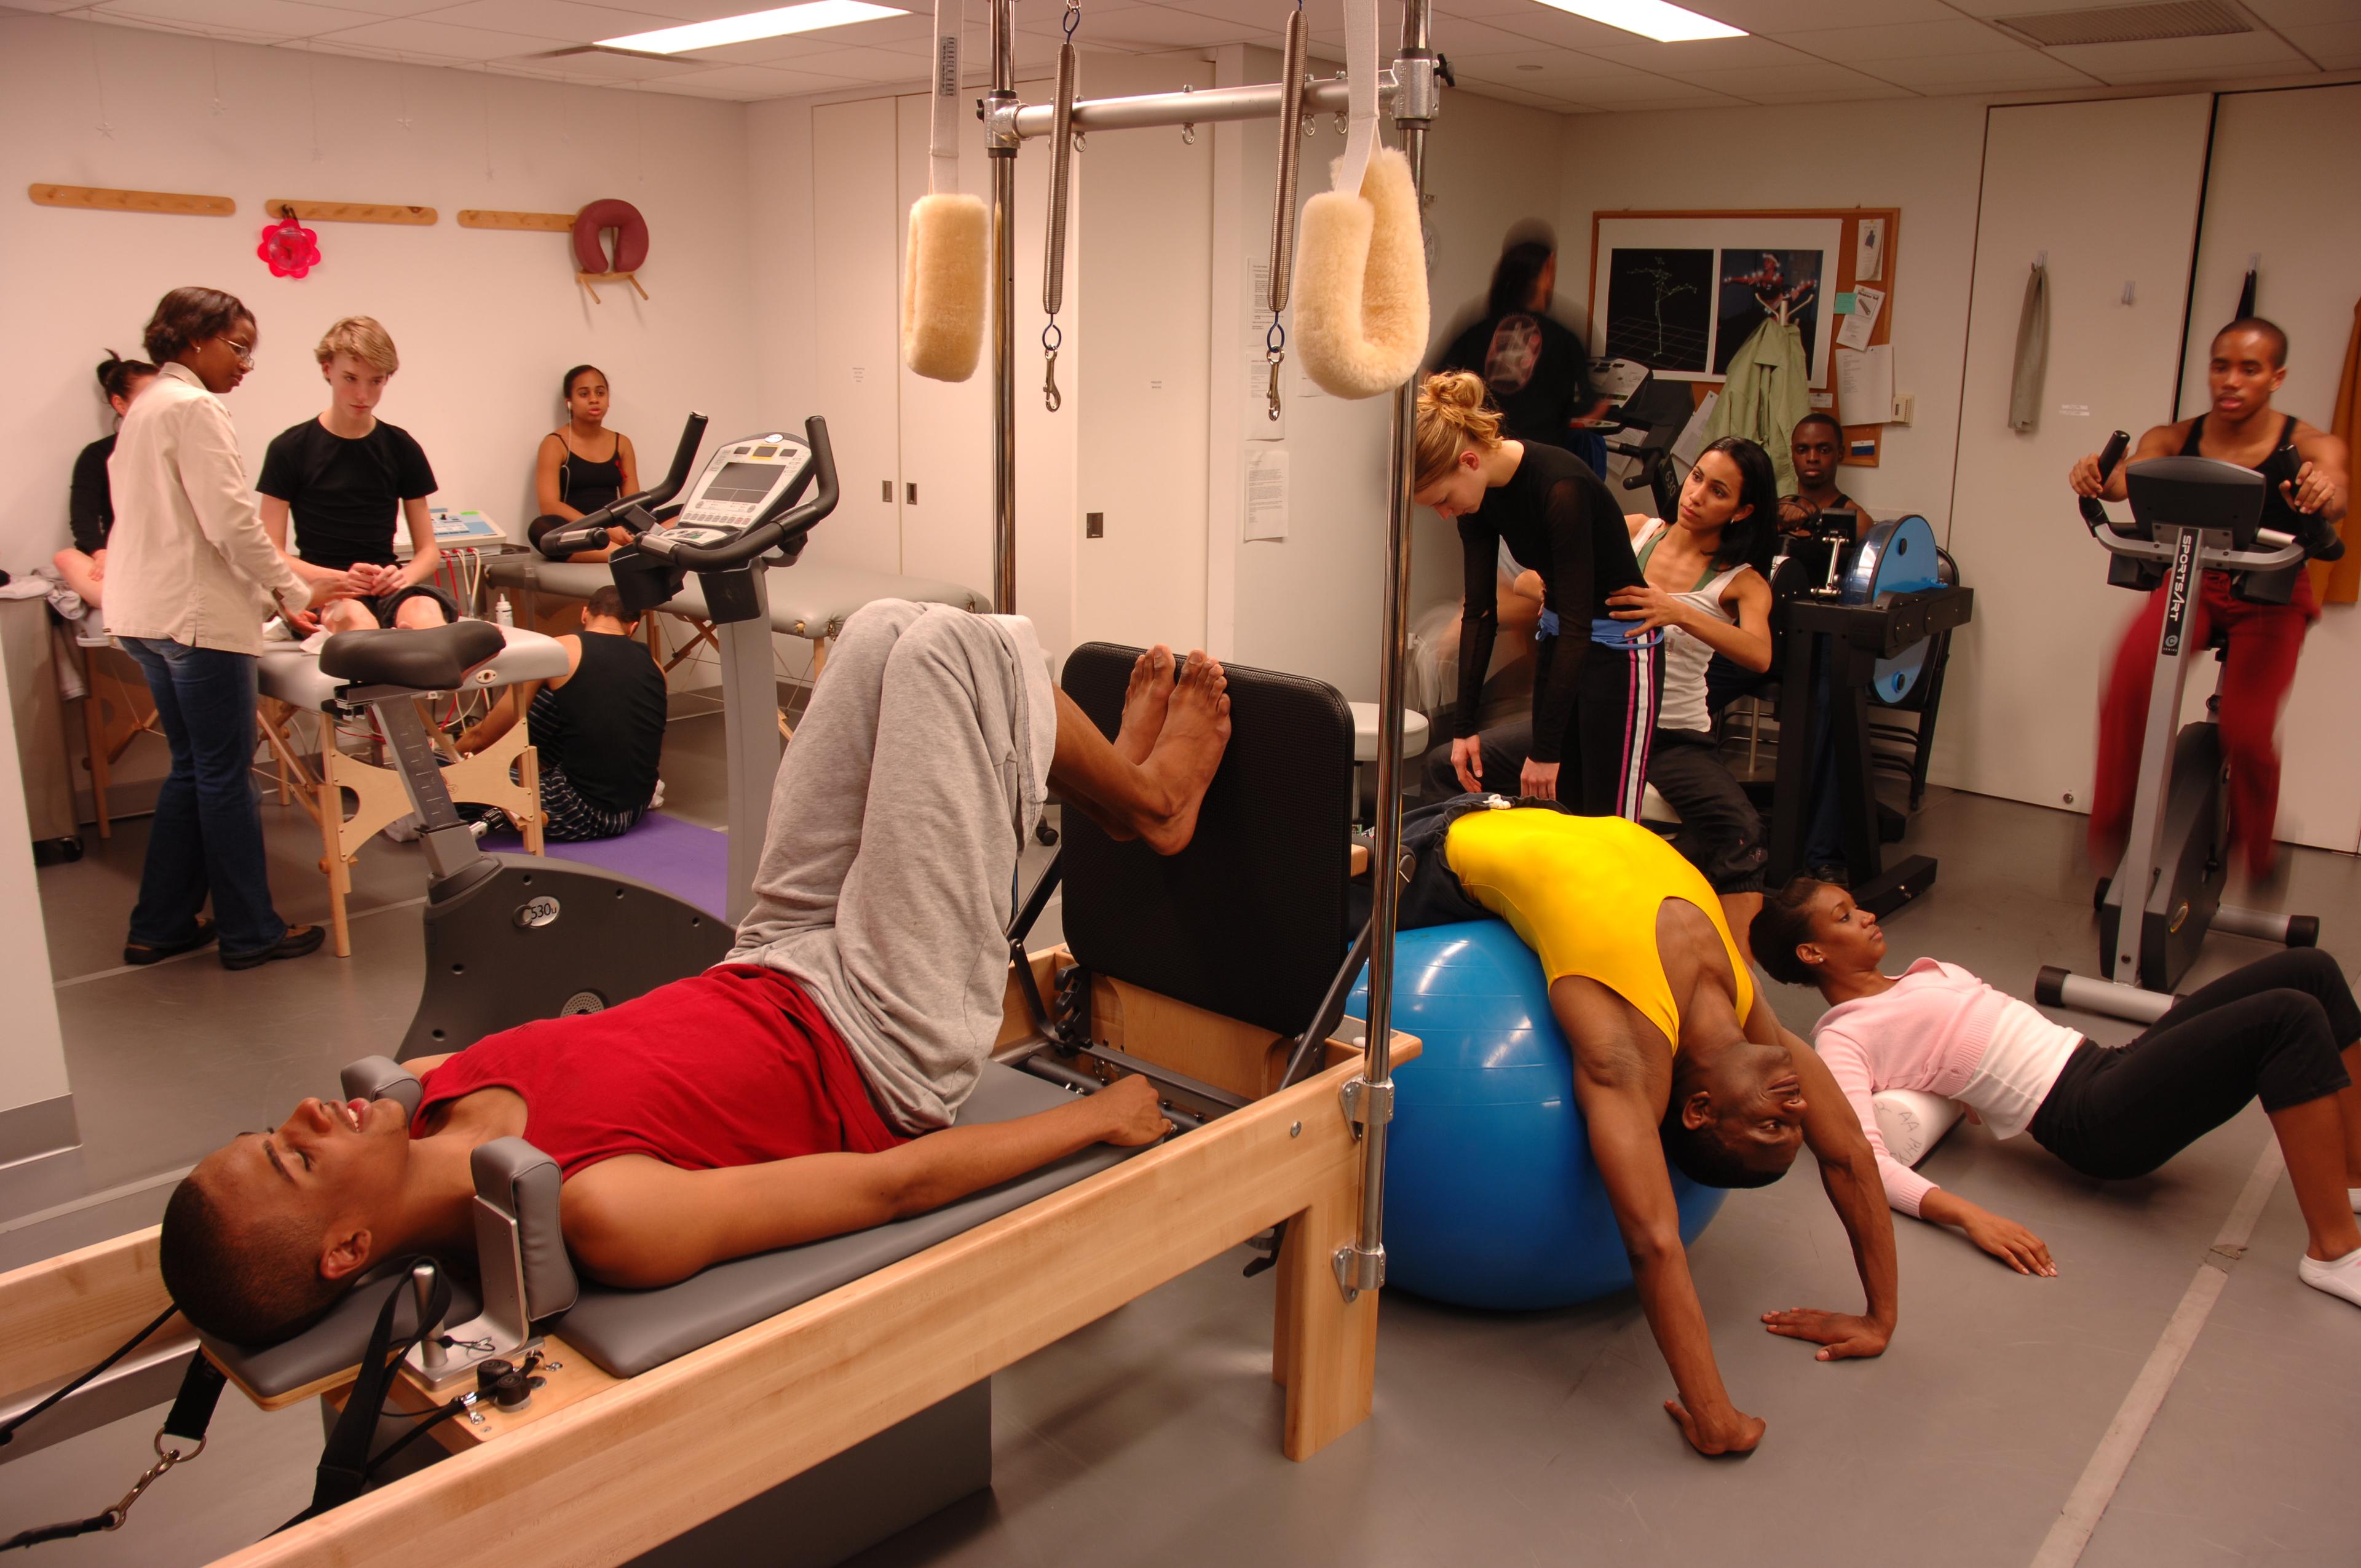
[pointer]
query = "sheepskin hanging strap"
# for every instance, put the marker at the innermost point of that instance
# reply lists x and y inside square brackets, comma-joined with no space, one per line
[945,268]
[1360,259]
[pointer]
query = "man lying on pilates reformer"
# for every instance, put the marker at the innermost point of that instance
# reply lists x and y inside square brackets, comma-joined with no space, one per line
[779,1097]
[1678,1058]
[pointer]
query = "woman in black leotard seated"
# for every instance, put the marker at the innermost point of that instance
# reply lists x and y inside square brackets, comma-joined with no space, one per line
[1597,681]
[90,508]
[584,466]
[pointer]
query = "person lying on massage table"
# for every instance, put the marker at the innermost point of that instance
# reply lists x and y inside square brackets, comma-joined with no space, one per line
[2284,1028]
[797,1089]
[1676,1056]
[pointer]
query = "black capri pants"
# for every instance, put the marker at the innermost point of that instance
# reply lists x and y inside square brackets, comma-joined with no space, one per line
[2274,1029]
[1604,763]
[1720,831]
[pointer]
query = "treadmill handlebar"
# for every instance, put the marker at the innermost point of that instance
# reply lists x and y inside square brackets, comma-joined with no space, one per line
[589,532]
[782,526]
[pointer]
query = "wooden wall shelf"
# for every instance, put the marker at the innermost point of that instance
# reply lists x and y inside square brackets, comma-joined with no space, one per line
[348,212]
[484,218]
[103,199]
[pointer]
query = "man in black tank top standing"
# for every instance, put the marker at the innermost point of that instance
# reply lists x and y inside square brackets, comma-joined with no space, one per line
[599,728]
[2248,364]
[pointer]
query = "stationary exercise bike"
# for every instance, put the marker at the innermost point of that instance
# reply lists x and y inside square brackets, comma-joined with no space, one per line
[2189,515]
[511,938]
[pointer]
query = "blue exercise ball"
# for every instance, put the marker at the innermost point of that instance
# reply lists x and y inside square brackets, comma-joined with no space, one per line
[1492,1199]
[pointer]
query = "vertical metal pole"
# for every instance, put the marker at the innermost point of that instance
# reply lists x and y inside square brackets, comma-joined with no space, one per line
[1362,1266]
[1002,149]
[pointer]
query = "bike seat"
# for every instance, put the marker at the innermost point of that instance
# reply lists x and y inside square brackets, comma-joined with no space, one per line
[433,658]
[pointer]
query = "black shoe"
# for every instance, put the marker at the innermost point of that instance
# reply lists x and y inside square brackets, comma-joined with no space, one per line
[299,940]
[1834,874]
[139,953]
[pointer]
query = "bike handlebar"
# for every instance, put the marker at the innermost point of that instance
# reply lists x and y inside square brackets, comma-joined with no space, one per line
[787,521]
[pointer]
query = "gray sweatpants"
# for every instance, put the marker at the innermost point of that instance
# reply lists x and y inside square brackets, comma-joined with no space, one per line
[896,822]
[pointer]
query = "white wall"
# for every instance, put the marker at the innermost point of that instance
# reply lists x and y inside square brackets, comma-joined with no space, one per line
[2308,285]
[32,1050]
[485,321]
[1921,156]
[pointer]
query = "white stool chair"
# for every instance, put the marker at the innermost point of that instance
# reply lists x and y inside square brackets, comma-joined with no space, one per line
[1414,731]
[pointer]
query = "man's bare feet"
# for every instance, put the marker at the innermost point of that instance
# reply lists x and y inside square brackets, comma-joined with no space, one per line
[1188,752]
[1144,704]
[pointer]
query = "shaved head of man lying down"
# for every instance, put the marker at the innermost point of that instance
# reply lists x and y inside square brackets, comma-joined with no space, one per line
[807,1086]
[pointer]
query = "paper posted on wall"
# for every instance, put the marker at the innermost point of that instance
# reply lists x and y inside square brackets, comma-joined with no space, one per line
[1869,251]
[1266,507]
[1862,318]
[1865,385]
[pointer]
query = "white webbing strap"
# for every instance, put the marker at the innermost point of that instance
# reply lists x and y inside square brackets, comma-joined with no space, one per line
[943,127]
[1361,87]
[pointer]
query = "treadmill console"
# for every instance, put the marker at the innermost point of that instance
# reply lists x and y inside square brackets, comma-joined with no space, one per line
[742,483]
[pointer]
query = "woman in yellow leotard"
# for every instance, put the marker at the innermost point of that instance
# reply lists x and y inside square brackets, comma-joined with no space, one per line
[1676,1056]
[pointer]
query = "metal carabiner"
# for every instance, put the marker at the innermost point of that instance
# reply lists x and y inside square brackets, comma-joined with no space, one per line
[1049,398]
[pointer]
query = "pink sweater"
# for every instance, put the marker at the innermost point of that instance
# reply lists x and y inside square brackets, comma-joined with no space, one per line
[1943,1031]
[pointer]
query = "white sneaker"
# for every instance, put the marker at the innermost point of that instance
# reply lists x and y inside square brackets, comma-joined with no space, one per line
[2338,1277]
[658,799]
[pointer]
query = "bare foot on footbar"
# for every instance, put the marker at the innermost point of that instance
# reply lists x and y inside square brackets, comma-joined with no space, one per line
[1145,701]
[1188,752]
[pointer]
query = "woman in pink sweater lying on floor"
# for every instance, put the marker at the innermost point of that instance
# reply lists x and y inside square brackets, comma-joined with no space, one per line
[2285,1029]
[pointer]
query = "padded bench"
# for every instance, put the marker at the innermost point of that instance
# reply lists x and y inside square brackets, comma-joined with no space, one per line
[808,600]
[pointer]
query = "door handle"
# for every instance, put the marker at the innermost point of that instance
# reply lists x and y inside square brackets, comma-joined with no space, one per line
[910,495]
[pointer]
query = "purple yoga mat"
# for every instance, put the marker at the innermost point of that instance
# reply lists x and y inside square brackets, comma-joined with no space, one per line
[689,862]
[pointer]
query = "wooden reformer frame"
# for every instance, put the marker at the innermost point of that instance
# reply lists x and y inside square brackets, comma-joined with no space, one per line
[599,1469]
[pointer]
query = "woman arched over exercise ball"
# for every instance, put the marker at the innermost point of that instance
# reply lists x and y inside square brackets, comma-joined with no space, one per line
[1597,680]
[1707,588]
[191,571]
[582,466]
[90,506]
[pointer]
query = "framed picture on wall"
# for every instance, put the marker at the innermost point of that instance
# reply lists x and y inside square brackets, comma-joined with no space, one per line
[1682,294]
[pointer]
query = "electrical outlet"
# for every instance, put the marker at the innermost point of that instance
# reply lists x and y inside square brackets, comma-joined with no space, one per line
[1905,407]
[1094,525]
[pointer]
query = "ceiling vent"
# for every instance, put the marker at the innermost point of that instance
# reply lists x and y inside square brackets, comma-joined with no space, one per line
[2129,24]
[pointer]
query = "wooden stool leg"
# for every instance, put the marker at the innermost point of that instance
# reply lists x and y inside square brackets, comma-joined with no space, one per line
[1328,1345]
[93,727]
[340,871]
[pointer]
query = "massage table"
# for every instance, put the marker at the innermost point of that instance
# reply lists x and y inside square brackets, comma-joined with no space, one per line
[292,686]
[808,600]
[816,1398]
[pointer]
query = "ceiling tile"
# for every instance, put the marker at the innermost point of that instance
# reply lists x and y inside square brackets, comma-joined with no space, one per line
[1154,26]
[1798,16]
[1810,76]
[1867,89]
[271,18]
[860,65]
[2174,59]
[1550,26]
[671,10]
[1902,41]
[422,35]
[383,7]
[2285,14]
[1526,99]
[2006,70]
[38,7]
[183,29]
[755,81]
[2333,46]
[596,67]
[567,20]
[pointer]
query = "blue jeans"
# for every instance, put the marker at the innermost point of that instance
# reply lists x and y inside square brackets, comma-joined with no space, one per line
[207,836]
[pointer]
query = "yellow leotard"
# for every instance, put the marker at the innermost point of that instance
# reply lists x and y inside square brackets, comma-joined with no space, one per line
[1584,892]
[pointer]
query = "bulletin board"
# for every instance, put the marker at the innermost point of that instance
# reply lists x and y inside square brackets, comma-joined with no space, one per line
[1679,290]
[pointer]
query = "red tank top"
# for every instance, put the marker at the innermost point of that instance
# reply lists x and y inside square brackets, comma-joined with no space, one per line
[733,1067]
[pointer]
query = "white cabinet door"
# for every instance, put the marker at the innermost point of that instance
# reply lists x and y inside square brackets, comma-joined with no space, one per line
[856,330]
[2020,707]
[1136,367]
[2307,286]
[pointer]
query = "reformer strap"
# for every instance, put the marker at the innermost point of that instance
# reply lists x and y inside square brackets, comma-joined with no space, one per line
[343,1467]
[942,128]
[191,1415]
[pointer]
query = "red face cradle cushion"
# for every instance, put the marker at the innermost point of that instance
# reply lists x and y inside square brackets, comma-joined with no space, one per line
[589,237]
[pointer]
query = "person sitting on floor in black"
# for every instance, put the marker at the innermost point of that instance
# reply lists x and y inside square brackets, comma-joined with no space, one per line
[599,728]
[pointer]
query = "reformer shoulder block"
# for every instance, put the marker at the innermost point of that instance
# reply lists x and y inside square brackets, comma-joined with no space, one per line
[1249,920]
[522,1182]
[382,1078]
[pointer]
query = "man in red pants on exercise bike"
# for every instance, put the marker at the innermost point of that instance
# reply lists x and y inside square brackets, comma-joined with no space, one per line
[2248,364]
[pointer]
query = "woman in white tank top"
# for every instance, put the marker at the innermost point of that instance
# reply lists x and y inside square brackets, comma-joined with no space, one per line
[1706,587]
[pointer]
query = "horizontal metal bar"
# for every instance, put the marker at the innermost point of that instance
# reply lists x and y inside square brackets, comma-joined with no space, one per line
[1327,96]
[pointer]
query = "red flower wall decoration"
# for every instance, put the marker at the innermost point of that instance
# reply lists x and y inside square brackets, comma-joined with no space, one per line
[291,250]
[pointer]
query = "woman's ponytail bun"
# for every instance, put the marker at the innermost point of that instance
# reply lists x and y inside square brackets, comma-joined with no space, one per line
[1454,413]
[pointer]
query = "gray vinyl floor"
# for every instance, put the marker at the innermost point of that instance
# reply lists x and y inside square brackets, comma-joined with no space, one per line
[1152,1437]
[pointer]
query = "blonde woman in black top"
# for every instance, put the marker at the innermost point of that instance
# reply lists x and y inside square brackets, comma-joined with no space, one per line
[584,465]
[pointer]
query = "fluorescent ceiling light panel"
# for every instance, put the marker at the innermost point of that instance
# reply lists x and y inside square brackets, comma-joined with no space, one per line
[1649,18]
[755,25]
